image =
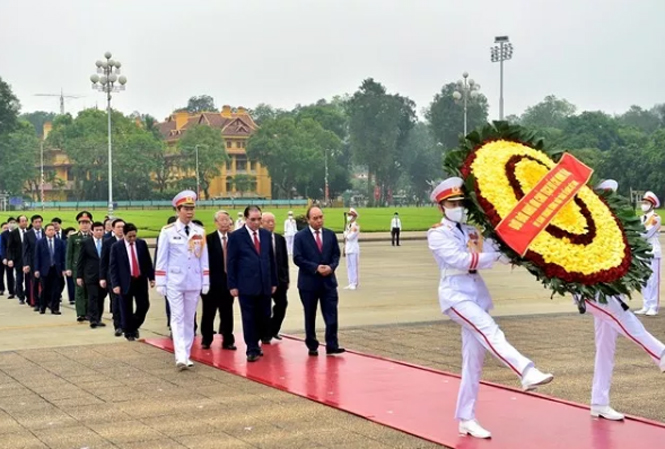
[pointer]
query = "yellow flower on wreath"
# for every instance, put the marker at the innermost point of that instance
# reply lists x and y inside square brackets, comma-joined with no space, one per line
[607,249]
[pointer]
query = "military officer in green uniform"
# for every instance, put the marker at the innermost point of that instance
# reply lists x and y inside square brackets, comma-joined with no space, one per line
[74,244]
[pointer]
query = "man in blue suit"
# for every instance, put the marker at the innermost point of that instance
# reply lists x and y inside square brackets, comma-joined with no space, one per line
[49,269]
[252,278]
[316,253]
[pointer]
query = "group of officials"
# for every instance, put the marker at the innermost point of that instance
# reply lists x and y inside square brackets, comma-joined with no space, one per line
[98,260]
[250,263]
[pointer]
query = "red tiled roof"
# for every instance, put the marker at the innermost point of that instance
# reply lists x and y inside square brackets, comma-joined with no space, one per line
[237,126]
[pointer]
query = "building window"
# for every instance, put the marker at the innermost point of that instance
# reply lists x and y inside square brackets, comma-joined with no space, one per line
[68,174]
[243,144]
[229,144]
[241,164]
[229,184]
[238,144]
[228,164]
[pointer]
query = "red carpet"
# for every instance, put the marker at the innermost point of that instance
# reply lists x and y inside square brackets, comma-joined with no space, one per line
[421,401]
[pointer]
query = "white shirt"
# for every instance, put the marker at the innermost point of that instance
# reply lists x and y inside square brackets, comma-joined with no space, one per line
[251,234]
[396,223]
[351,235]
[21,231]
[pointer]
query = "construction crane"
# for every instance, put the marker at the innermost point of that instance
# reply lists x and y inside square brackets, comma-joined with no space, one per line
[62,99]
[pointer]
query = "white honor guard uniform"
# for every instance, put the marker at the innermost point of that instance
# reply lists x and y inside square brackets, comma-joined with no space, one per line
[352,249]
[463,296]
[651,221]
[181,274]
[240,222]
[609,321]
[290,230]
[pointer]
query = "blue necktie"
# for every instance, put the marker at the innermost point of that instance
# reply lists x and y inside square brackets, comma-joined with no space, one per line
[99,249]
[51,251]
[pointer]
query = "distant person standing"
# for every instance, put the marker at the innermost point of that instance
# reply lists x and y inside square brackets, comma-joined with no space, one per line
[30,240]
[240,222]
[69,282]
[74,245]
[352,249]
[182,273]
[88,268]
[4,269]
[651,222]
[290,230]
[49,268]
[316,253]
[395,228]
[282,261]
[117,234]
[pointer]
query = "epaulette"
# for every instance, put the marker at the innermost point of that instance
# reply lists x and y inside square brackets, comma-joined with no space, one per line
[436,225]
[168,226]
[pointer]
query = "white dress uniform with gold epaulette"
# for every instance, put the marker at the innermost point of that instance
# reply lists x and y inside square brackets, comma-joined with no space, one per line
[182,273]
[651,222]
[610,320]
[290,231]
[459,252]
[352,250]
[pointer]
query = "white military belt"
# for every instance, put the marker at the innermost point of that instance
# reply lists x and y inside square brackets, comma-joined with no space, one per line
[454,272]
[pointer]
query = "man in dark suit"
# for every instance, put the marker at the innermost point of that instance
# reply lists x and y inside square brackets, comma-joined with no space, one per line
[60,234]
[218,298]
[49,268]
[88,267]
[282,262]
[30,240]
[15,256]
[104,275]
[131,270]
[316,253]
[5,271]
[252,277]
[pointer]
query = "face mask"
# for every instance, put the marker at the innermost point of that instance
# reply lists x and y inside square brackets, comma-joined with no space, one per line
[12,226]
[349,218]
[457,214]
[645,207]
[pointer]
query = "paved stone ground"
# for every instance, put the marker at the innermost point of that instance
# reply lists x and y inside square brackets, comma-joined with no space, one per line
[63,385]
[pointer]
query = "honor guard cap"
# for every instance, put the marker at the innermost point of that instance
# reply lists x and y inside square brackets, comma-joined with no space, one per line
[184,198]
[83,215]
[353,212]
[608,184]
[240,214]
[290,213]
[449,189]
[652,198]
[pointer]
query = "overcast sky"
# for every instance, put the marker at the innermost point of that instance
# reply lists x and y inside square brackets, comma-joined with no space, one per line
[598,54]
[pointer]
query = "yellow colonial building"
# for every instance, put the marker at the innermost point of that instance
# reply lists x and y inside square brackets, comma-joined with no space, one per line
[235,126]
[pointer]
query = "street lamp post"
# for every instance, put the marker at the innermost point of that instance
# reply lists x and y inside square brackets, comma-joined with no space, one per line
[109,81]
[325,162]
[42,172]
[500,53]
[466,89]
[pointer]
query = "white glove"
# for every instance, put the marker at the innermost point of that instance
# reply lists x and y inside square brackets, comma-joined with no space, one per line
[161,290]
[504,259]
[205,289]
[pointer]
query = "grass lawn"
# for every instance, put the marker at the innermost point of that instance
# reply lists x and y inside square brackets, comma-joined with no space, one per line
[150,222]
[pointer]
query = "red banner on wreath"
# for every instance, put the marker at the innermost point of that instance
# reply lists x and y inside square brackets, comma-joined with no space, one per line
[539,206]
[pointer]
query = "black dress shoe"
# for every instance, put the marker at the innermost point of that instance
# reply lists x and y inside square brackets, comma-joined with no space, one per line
[252,357]
[265,341]
[335,351]
[277,337]
[71,303]
[11,296]
[130,338]
[80,319]
[313,353]
[36,309]
[42,312]
[205,346]
[136,334]
[93,325]
[56,312]
[230,347]
[118,333]
[21,301]
[100,324]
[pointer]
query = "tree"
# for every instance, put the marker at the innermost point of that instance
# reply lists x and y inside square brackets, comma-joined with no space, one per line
[378,125]
[446,116]
[293,151]
[591,130]
[37,119]
[243,183]
[19,150]
[9,108]
[552,112]
[263,112]
[646,121]
[423,160]
[136,154]
[211,150]
[201,103]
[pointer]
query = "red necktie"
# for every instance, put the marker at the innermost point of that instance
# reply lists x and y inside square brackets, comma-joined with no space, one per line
[135,261]
[318,241]
[257,245]
[224,251]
